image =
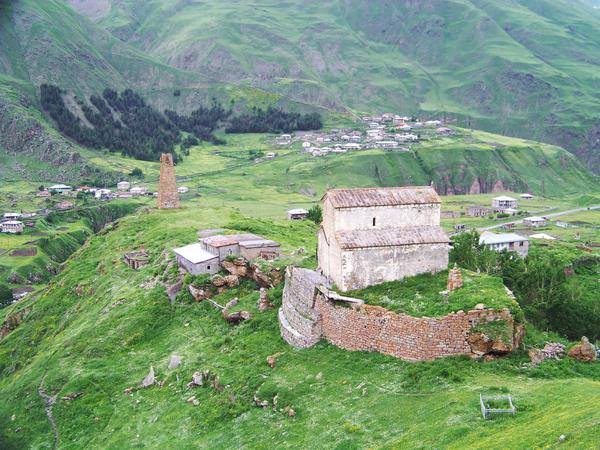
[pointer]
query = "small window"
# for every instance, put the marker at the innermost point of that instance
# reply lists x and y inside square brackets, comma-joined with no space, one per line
[373,221]
[207,267]
[521,244]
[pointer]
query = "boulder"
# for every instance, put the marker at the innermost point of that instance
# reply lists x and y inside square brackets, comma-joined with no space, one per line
[150,379]
[199,293]
[272,360]
[174,361]
[232,280]
[584,351]
[218,281]
[263,301]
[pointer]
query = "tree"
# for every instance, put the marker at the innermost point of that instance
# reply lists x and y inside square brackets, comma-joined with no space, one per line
[315,214]
[137,172]
[6,296]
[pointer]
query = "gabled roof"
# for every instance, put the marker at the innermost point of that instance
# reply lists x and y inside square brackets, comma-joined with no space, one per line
[505,198]
[194,253]
[392,196]
[391,237]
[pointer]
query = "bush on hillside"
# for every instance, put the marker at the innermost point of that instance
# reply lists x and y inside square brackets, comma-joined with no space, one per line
[6,296]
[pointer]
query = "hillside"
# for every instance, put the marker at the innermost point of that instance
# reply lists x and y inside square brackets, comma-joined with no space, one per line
[97,335]
[532,72]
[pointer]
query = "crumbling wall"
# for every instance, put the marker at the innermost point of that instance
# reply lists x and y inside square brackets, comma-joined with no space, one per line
[307,315]
[376,329]
[300,323]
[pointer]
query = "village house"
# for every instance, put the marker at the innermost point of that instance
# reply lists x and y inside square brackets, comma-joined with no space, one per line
[12,226]
[433,123]
[507,241]
[511,211]
[270,155]
[443,131]
[138,190]
[183,189]
[43,194]
[196,260]
[248,245]
[12,215]
[297,214]
[478,211]
[60,188]
[526,196]
[534,222]
[503,202]
[386,144]
[124,194]
[123,185]
[62,206]
[370,236]
[102,193]
[306,145]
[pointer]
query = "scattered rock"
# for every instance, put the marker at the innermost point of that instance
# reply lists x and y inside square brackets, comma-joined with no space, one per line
[128,391]
[479,306]
[232,280]
[117,303]
[271,360]
[150,379]
[174,361]
[15,278]
[300,250]
[236,317]
[218,281]
[232,303]
[562,438]
[263,301]
[72,396]
[193,400]
[584,351]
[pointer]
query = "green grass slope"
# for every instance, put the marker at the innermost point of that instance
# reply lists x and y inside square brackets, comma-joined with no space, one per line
[96,332]
[522,67]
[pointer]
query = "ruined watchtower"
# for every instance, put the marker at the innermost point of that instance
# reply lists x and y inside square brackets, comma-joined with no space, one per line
[167,188]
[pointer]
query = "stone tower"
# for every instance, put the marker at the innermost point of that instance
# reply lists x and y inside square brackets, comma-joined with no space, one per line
[167,187]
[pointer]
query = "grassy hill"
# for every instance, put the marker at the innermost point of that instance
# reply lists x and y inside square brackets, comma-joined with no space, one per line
[96,331]
[523,68]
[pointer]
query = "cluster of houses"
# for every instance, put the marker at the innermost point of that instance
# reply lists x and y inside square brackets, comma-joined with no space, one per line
[506,205]
[207,255]
[388,131]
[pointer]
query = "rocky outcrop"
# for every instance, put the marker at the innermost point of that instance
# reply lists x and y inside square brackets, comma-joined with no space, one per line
[584,351]
[242,268]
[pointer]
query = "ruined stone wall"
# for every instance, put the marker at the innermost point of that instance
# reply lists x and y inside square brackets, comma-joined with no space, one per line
[370,266]
[300,323]
[376,329]
[329,256]
[387,217]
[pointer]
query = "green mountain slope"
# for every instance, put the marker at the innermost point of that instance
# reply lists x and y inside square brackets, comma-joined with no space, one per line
[520,67]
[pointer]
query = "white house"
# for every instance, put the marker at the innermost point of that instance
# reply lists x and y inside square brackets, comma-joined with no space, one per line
[526,196]
[386,144]
[12,215]
[503,202]
[123,185]
[534,222]
[183,189]
[102,193]
[507,241]
[306,144]
[60,188]
[12,226]
[138,190]
[297,214]
[196,260]
[270,155]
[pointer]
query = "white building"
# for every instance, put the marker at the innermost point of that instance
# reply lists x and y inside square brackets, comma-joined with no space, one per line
[370,236]
[534,221]
[387,144]
[196,260]
[102,193]
[183,189]
[12,226]
[306,144]
[297,214]
[123,185]
[60,188]
[507,241]
[503,202]
[270,155]
[12,215]
[526,196]
[138,190]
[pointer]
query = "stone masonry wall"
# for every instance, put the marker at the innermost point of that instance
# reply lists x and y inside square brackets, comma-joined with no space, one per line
[376,329]
[167,186]
[307,315]
[300,323]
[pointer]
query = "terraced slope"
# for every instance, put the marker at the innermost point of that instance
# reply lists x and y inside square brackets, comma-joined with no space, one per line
[519,67]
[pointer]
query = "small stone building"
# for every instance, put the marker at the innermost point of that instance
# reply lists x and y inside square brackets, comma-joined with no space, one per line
[250,246]
[371,236]
[196,260]
[297,214]
[503,202]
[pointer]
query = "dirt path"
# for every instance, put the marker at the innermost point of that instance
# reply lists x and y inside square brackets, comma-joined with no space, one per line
[50,401]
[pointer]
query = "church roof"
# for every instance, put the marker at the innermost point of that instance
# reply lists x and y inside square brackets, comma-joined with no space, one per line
[391,237]
[390,196]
